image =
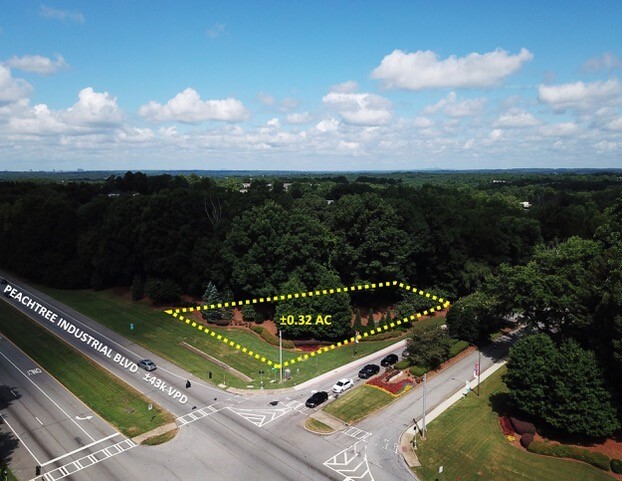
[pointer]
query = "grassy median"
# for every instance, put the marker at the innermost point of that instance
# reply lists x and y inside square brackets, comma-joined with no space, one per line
[358,403]
[162,334]
[467,441]
[118,403]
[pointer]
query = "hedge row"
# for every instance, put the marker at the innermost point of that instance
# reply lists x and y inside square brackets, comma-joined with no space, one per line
[403,364]
[616,466]
[457,347]
[599,460]
[418,371]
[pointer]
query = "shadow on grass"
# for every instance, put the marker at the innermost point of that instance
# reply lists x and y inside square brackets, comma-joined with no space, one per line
[500,403]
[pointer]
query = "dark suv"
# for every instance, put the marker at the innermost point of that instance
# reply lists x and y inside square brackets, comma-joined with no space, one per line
[369,370]
[316,399]
[389,360]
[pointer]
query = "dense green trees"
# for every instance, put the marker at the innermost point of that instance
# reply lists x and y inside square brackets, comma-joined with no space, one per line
[565,386]
[474,317]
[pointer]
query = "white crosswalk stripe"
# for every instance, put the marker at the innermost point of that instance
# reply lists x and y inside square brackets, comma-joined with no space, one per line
[196,415]
[89,460]
[357,433]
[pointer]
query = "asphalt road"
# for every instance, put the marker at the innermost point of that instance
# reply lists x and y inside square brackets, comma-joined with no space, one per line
[46,419]
[225,436]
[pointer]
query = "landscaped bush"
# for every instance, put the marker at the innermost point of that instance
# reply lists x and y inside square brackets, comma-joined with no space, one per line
[599,460]
[457,347]
[522,427]
[526,439]
[616,466]
[257,329]
[250,314]
[383,336]
[403,364]
[506,426]
[418,371]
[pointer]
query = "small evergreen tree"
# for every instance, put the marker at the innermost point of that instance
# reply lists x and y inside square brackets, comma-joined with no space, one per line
[137,288]
[371,324]
[358,322]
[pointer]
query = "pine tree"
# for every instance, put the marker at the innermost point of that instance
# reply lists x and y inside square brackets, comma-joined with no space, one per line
[370,320]
[358,322]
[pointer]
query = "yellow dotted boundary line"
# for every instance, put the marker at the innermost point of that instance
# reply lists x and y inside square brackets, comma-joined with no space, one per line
[178,314]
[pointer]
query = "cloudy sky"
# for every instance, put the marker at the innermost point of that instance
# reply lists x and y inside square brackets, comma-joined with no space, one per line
[313,85]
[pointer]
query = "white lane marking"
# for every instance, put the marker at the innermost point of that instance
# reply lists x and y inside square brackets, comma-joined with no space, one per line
[40,422]
[112,341]
[20,440]
[89,460]
[13,392]
[357,433]
[46,395]
[80,449]
[351,468]
[84,418]
[260,417]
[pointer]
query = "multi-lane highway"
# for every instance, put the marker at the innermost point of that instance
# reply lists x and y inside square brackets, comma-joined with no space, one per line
[222,436]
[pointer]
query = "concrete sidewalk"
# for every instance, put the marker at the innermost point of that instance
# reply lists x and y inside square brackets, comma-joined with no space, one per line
[406,441]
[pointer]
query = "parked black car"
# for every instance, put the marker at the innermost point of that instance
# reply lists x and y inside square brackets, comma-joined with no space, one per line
[369,370]
[316,399]
[389,360]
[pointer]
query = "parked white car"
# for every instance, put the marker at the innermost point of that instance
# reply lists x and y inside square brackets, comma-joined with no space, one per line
[342,385]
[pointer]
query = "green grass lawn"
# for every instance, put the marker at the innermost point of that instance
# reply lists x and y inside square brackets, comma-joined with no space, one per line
[112,399]
[467,441]
[162,334]
[358,403]
[318,426]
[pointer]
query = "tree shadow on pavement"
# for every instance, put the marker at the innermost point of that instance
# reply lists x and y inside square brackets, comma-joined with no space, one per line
[8,442]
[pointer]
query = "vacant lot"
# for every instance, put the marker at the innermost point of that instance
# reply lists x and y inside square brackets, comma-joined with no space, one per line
[163,334]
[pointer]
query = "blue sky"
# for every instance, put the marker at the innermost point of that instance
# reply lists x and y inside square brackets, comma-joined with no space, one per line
[312,85]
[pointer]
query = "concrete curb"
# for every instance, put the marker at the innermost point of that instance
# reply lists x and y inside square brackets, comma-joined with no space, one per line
[155,432]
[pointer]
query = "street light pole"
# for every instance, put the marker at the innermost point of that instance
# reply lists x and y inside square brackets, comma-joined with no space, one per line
[423,422]
[479,367]
[281,354]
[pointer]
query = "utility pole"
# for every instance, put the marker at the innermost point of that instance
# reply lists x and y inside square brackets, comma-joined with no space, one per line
[479,367]
[281,354]
[423,422]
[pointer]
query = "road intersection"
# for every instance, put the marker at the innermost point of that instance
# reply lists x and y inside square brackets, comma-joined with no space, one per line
[222,435]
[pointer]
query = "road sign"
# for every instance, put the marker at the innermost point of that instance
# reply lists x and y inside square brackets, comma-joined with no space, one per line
[150,407]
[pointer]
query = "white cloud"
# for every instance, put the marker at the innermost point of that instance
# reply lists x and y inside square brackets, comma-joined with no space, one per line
[94,112]
[581,96]
[606,61]
[607,146]
[451,107]
[615,124]
[359,108]
[11,89]
[215,30]
[266,99]
[424,70]
[298,118]
[187,107]
[327,125]
[345,88]
[288,104]
[422,122]
[57,14]
[563,129]
[38,64]
[516,119]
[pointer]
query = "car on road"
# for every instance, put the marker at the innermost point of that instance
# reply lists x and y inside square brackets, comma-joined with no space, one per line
[406,352]
[389,360]
[147,364]
[369,370]
[316,399]
[342,385]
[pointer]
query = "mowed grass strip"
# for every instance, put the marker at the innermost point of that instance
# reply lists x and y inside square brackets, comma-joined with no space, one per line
[358,403]
[162,334]
[118,403]
[316,426]
[467,441]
